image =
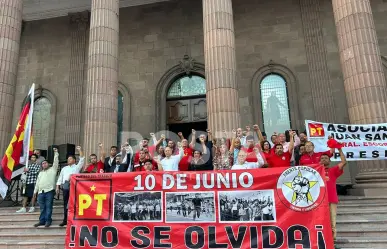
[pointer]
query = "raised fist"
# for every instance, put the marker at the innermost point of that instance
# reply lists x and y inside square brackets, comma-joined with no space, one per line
[233,131]
[208,131]
[55,149]
[301,187]
[152,134]
[100,145]
[163,136]
[79,148]
[256,127]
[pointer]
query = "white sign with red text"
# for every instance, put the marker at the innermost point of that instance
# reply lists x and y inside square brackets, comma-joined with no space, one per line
[360,142]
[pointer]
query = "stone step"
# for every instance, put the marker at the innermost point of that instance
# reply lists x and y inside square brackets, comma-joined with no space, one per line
[362,205]
[360,198]
[33,237]
[26,229]
[37,212]
[361,232]
[364,216]
[361,225]
[17,244]
[10,210]
[366,242]
[28,221]
[345,212]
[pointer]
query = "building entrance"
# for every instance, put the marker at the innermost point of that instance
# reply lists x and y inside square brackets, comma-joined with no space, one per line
[186,128]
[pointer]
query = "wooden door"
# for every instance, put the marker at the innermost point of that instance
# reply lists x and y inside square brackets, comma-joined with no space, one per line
[186,111]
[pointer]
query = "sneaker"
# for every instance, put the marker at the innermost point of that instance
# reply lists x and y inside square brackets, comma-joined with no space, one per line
[48,224]
[337,247]
[38,224]
[63,224]
[22,210]
[32,209]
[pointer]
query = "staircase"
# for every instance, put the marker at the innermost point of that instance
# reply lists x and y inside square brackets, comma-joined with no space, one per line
[362,222]
[18,231]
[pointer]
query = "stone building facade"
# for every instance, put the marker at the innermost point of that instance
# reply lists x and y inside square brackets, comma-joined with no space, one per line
[149,46]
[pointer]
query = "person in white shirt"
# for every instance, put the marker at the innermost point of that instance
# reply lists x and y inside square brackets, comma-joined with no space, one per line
[242,164]
[64,179]
[126,210]
[171,162]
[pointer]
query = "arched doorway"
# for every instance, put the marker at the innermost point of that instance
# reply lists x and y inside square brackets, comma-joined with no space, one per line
[186,105]
[181,98]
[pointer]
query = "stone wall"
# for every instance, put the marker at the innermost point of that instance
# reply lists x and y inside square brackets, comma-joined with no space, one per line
[45,60]
[153,39]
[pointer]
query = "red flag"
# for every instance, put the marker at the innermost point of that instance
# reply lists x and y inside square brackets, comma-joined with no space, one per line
[15,151]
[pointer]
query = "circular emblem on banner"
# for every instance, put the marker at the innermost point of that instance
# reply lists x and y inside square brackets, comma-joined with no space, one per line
[301,188]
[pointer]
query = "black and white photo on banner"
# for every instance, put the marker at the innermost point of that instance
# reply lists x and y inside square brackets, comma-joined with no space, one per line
[190,207]
[247,206]
[138,206]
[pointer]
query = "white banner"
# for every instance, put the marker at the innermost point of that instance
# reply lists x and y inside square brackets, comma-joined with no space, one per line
[360,142]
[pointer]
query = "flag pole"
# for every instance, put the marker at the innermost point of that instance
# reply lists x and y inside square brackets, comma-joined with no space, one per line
[30,120]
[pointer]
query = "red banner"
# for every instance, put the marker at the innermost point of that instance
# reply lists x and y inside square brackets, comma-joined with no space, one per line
[263,208]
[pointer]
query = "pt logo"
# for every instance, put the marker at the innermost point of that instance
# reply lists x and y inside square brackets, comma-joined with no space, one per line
[301,188]
[316,130]
[92,200]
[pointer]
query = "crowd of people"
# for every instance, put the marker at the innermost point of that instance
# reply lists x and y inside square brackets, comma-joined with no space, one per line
[138,210]
[243,149]
[247,209]
[191,207]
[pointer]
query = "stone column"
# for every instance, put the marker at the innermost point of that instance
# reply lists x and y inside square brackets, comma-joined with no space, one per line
[364,81]
[79,23]
[10,30]
[317,60]
[102,76]
[219,53]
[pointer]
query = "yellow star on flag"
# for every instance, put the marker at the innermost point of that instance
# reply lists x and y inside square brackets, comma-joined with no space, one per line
[309,195]
[92,188]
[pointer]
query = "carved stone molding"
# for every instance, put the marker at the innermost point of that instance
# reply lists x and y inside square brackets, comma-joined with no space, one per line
[80,19]
[187,65]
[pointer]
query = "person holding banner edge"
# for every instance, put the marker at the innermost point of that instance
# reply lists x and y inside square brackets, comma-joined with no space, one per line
[332,174]
[64,179]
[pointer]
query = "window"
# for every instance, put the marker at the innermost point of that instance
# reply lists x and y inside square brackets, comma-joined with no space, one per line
[41,123]
[120,117]
[187,86]
[275,107]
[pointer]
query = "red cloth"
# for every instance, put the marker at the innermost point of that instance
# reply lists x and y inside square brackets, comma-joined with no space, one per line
[151,149]
[138,166]
[333,173]
[251,156]
[276,161]
[100,166]
[307,159]
[186,159]
[334,144]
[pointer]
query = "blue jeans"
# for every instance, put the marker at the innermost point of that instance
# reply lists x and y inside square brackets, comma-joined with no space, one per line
[46,201]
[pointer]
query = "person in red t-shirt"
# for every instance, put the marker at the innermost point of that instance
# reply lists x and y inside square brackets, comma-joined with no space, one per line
[139,164]
[188,151]
[95,165]
[280,158]
[332,174]
[251,156]
[310,157]
[144,144]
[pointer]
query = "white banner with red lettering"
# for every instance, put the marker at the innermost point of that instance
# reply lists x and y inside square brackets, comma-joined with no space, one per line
[360,142]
